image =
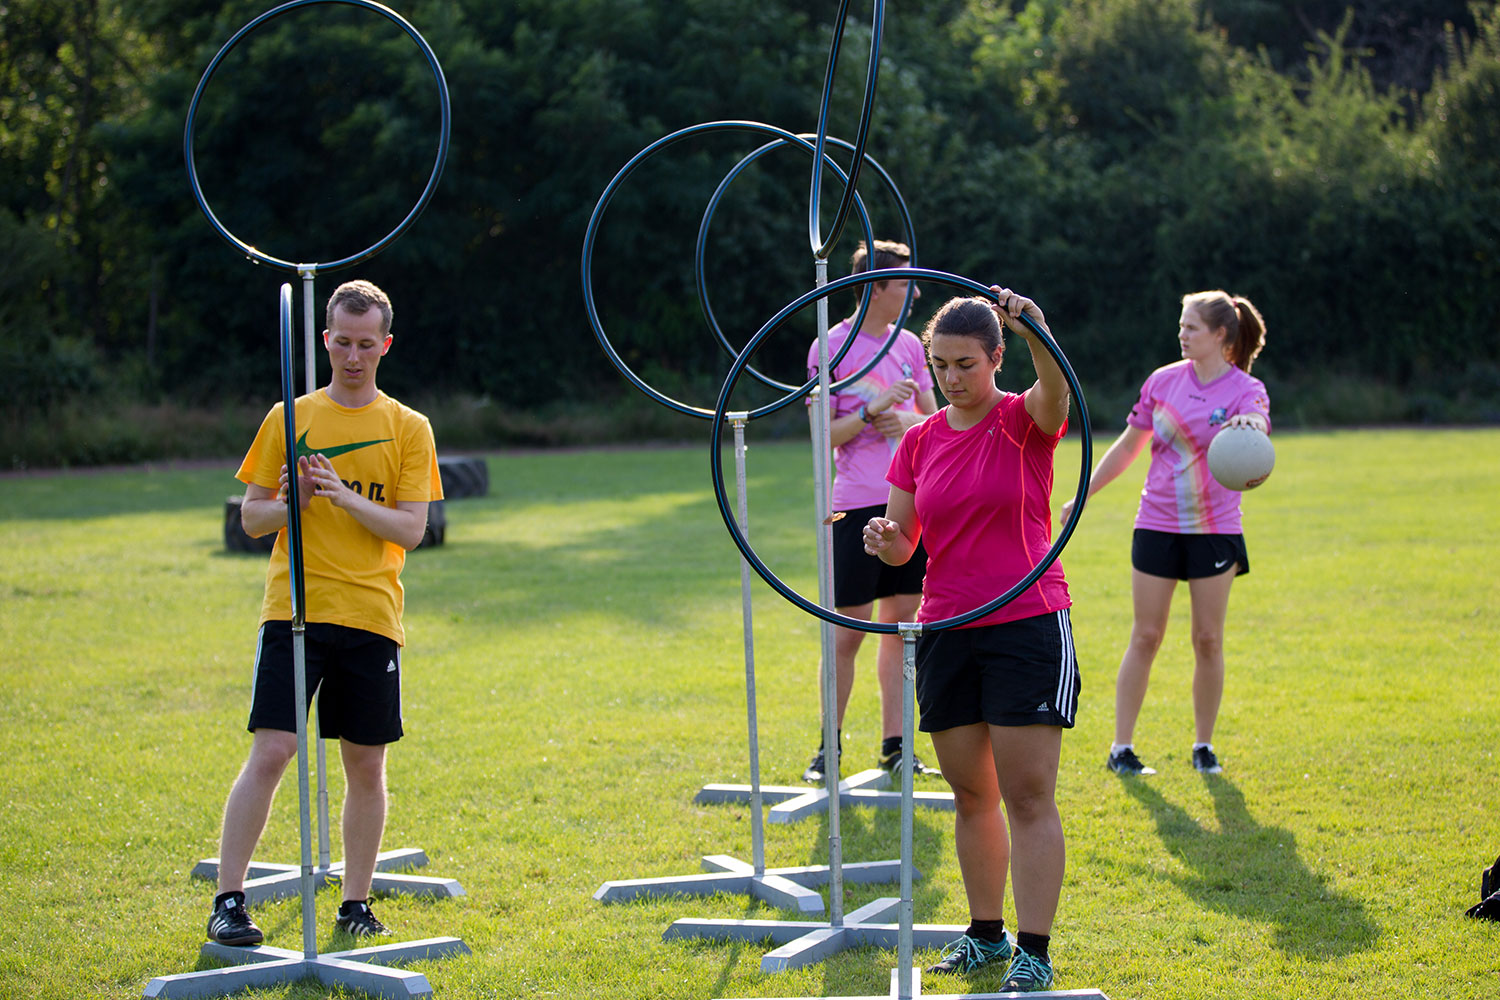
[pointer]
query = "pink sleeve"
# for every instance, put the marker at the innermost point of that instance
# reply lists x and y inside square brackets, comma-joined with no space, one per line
[902,473]
[1140,413]
[1019,422]
[1255,400]
[919,368]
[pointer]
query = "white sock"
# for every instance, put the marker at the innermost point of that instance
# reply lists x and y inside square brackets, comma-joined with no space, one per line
[1203,746]
[1115,748]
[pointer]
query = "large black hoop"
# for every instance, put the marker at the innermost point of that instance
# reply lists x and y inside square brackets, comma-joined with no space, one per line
[822,248]
[261,257]
[716,462]
[591,235]
[864,302]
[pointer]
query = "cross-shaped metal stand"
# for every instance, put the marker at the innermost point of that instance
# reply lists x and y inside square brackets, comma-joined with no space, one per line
[266,881]
[784,888]
[803,943]
[795,802]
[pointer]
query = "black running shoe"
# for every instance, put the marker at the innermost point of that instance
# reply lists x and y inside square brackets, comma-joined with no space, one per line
[1206,761]
[230,922]
[815,769]
[356,918]
[1489,881]
[892,762]
[1127,763]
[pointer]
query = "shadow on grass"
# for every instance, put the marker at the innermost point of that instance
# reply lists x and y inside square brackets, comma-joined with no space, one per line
[1247,870]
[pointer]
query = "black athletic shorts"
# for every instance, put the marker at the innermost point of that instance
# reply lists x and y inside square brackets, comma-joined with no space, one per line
[1187,557]
[360,674]
[860,578]
[1020,673]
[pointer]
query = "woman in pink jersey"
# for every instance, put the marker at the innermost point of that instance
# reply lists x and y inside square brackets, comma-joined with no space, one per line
[1187,526]
[973,484]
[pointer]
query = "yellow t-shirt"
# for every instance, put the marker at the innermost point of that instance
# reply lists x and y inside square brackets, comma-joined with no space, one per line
[383,451]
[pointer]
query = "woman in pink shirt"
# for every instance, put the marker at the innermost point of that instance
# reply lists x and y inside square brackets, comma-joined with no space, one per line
[973,484]
[1188,526]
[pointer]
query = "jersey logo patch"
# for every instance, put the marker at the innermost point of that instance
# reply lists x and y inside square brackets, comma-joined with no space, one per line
[305,450]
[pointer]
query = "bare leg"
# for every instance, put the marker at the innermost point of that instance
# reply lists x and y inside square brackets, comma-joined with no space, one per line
[364,815]
[979,836]
[1025,759]
[1210,597]
[249,803]
[888,659]
[846,643]
[1152,597]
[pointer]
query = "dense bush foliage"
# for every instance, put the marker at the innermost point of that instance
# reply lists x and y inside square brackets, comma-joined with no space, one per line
[1338,166]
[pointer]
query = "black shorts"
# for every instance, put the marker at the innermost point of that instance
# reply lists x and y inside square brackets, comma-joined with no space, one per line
[1187,557]
[360,674]
[860,578]
[1020,673]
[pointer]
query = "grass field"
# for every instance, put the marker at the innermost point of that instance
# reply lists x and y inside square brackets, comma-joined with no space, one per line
[574,673]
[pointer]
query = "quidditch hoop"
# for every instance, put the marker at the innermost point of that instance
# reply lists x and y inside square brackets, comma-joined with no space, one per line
[591,235]
[864,303]
[717,464]
[260,257]
[821,248]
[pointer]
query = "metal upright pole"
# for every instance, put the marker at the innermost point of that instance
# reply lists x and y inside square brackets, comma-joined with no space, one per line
[909,632]
[822,480]
[297,590]
[757,821]
[310,381]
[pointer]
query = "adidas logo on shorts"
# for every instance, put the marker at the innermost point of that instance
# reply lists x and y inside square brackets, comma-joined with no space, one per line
[390,667]
[1043,707]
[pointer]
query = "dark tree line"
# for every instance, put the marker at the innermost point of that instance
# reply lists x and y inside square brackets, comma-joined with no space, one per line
[1334,161]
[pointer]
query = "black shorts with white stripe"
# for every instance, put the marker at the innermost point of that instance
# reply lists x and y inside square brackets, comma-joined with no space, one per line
[1020,673]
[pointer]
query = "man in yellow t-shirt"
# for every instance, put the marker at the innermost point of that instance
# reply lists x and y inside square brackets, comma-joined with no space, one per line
[366,471]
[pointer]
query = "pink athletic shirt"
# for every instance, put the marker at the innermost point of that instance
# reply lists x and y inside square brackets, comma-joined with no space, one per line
[1183,415]
[983,498]
[859,464]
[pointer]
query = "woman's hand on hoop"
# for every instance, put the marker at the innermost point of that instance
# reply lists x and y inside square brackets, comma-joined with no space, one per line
[1010,305]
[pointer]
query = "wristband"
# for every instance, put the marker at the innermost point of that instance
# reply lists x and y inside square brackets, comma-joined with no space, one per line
[865,415]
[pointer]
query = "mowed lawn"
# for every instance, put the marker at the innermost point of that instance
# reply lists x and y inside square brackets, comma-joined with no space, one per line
[574,673]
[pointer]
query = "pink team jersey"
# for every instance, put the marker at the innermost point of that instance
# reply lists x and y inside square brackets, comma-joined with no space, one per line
[860,463]
[1183,415]
[983,499]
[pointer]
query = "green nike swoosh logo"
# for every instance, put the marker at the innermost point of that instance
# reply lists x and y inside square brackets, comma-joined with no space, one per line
[305,450]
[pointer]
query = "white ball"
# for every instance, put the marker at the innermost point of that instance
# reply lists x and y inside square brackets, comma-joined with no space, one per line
[1241,458]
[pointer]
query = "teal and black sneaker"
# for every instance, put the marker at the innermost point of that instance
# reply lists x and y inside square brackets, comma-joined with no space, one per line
[1027,973]
[969,953]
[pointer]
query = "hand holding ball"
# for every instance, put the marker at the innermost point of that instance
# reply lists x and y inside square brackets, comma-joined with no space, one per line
[1241,457]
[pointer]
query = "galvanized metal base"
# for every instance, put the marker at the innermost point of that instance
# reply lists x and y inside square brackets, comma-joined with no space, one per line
[796,802]
[895,994]
[265,881]
[783,888]
[804,942]
[264,966]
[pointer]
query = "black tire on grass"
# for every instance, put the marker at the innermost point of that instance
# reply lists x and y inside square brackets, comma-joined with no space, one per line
[235,539]
[463,477]
[437,526]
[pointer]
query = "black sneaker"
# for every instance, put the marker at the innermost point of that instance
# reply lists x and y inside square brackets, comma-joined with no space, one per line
[1127,763]
[892,762]
[356,918]
[1489,880]
[230,922]
[1206,761]
[815,769]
